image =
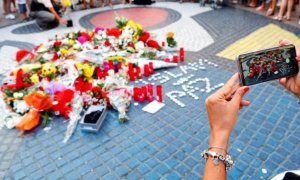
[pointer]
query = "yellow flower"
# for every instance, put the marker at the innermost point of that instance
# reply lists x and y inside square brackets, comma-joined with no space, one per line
[34,78]
[88,71]
[139,27]
[79,65]
[131,24]
[48,69]
[63,51]
[27,68]
[170,34]
[71,41]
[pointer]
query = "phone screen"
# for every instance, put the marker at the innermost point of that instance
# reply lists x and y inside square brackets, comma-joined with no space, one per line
[269,64]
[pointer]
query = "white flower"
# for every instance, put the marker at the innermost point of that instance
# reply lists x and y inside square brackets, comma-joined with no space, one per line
[18,95]
[11,120]
[20,106]
[139,46]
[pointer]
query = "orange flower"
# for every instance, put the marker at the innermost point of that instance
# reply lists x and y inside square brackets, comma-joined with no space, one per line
[39,102]
[170,35]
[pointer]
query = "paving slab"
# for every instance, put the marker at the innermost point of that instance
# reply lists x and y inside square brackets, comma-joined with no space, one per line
[167,145]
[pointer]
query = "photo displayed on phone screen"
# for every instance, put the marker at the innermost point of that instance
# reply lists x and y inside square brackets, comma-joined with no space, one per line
[266,65]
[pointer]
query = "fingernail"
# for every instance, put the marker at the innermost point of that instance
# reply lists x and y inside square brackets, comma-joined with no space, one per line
[246,89]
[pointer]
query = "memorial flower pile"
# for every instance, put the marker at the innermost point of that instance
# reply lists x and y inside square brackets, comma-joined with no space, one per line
[67,74]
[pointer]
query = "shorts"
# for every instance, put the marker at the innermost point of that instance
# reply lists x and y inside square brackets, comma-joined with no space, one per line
[22,8]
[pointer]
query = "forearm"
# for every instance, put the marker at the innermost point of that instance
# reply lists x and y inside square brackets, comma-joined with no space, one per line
[219,145]
[52,10]
[212,171]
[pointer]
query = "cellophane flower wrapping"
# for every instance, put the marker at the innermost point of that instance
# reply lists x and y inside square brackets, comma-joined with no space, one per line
[77,107]
[120,100]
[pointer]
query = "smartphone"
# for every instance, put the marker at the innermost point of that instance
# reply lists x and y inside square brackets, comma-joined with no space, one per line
[268,64]
[69,23]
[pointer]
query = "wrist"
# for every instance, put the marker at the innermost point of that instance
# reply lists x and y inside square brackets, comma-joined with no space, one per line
[220,141]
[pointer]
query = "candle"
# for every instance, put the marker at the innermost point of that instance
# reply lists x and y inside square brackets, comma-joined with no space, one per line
[150,89]
[130,67]
[136,93]
[144,91]
[131,75]
[150,98]
[159,93]
[175,59]
[146,70]
[151,68]
[141,98]
[181,54]
[138,73]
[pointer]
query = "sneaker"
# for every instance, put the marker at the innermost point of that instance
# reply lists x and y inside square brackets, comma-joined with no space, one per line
[10,17]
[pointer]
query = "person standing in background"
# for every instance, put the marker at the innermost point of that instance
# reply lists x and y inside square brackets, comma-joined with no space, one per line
[22,9]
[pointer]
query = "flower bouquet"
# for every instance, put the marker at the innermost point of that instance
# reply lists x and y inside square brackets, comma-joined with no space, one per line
[67,74]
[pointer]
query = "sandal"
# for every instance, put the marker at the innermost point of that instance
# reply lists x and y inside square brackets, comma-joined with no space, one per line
[270,12]
[260,8]
[252,5]
[277,18]
[286,17]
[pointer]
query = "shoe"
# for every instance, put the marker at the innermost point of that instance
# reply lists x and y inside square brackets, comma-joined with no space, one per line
[10,17]
[286,17]
[277,18]
[260,8]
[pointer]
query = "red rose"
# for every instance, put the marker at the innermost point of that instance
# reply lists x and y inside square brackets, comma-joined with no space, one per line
[107,43]
[130,44]
[144,37]
[81,85]
[153,44]
[63,106]
[86,35]
[99,73]
[113,32]
[57,43]
[23,53]
[55,56]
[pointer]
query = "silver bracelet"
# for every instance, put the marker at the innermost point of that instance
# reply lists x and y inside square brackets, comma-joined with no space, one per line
[226,159]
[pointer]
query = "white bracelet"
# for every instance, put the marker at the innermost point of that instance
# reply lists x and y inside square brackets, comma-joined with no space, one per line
[226,159]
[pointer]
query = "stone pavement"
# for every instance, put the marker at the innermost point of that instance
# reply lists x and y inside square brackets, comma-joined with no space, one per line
[166,145]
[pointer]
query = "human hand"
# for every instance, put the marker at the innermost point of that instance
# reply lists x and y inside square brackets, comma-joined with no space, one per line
[63,21]
[291,83]
[222,108]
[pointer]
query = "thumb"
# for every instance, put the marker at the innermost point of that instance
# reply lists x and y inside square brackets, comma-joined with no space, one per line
[238,95]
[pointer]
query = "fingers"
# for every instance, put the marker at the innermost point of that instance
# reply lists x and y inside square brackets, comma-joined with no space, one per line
[233,90]
[245,102]
[227,88]
[284,42]
[238,96]
[282,81]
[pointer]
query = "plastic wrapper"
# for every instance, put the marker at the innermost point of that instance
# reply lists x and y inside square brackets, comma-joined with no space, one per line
[10,119]
[54,87]
[120,100]
[157,64]
[77,106]
[38,102]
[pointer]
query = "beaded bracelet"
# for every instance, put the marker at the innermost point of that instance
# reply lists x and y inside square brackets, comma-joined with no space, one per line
[226,159]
